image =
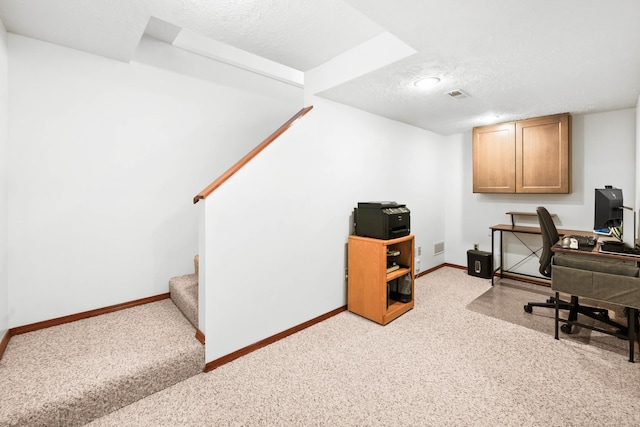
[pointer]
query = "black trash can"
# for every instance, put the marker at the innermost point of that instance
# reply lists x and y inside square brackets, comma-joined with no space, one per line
[479,263]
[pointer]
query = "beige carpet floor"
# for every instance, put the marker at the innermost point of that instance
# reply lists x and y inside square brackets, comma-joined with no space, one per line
[440,364]
[70,374]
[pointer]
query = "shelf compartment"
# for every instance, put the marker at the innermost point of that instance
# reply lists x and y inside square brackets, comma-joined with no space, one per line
[398,273]
[395,310]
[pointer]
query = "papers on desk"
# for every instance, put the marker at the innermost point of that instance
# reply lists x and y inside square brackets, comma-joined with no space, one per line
[610,231]
[614,235]
[603,231]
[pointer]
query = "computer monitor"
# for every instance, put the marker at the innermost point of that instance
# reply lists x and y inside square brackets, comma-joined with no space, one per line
[608,208]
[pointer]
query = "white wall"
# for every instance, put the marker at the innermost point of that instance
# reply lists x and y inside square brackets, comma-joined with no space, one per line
[4,135]
[104,160]
[637,206]
[603,152]
[276,232]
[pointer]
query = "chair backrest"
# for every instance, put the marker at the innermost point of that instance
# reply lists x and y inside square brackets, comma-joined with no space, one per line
[549,238]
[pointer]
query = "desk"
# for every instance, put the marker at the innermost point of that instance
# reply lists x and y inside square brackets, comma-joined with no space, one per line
[604,277]
[519,229]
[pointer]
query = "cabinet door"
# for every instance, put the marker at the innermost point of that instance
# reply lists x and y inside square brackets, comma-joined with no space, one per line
[494,159]
[543,155]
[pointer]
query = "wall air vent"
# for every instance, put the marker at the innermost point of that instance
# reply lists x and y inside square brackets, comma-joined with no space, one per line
[457,94]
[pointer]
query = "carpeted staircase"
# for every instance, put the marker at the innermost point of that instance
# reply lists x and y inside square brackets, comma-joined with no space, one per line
[184,293]
[70,374]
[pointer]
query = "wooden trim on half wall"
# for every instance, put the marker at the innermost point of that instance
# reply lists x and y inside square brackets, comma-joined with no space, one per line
[84,315]
[200,336]
[250,155]
[3,343]
[210,366]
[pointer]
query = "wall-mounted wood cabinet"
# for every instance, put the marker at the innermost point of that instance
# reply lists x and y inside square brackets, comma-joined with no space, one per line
[527,156]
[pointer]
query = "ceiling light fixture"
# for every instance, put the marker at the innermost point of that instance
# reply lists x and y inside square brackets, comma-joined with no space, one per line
[426,82]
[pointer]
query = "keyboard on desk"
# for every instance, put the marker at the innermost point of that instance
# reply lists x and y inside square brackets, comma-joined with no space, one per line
[617,248]
[585,241]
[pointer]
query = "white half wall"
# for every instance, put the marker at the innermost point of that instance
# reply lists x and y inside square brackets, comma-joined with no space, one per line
[4,141]
[105,158]
[276,232]
[603,153]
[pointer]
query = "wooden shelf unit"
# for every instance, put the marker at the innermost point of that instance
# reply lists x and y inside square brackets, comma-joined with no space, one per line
[368,277]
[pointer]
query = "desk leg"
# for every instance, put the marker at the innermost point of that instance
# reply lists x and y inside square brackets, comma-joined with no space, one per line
[493,258]
[632,314]
[501,257]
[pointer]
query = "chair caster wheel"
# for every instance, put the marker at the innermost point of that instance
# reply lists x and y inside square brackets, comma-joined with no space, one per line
[528,308]
[566,328]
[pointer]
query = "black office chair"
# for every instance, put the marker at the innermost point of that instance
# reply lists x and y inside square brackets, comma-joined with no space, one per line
[550,237]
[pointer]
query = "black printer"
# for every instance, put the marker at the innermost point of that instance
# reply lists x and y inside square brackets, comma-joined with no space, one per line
[381,220]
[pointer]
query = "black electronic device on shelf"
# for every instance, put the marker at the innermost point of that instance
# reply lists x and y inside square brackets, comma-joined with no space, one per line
[608,219]
[382,220]
[608,208]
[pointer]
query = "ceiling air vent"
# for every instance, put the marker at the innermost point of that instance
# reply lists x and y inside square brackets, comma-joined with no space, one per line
[457,94]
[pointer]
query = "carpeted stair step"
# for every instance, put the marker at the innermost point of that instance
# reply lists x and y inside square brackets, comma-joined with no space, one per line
[184,293]
[70,374]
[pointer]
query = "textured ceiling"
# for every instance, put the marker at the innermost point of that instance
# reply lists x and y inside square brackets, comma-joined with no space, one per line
[515,59]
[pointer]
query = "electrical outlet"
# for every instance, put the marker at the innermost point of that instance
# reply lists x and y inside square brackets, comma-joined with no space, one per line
[419,250]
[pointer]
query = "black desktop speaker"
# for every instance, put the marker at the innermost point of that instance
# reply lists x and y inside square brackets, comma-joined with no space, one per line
[479,263]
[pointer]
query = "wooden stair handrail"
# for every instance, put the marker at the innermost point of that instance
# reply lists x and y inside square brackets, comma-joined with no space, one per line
[250,155]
